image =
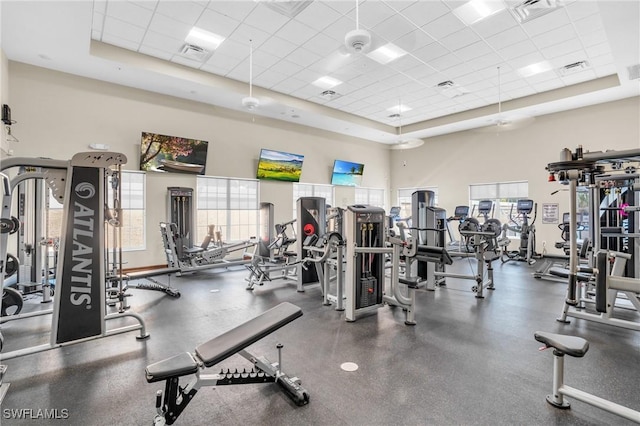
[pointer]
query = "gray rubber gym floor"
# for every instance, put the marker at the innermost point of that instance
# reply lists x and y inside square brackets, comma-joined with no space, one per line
[466,362]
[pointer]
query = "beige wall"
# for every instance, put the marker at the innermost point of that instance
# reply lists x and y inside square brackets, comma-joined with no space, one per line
[452,162]
[60,115]
[4,98]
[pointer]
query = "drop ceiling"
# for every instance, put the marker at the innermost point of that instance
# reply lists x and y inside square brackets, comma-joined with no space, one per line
[453,76]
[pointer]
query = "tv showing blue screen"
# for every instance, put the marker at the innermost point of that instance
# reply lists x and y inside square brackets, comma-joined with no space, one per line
[346,173]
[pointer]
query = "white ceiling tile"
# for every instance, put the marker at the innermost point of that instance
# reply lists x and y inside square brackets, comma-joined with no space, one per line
[217,23]
[237,10]
[266,19]
[546,86]
[563,48]
[508,37]
[526,60]
[264,59]
[393,27]
[162,42]
[566,32]
[303,57]
[322,44]
[473,51]
[166,26]
[269,78]
[405,63]
[129,12]
[184,11]
[339,28]
[286,67]
[147,4]
[582,9]
[548,22]
[413,40]
[296,31]
[520,93]
[120,42]
[595,37]
[308,75]
[486,61]
[495,24]
[289,85]
[459,39]
[100,6]
[306,92]
[244,33]
[598,50]
[343,7]
[96,35]
[97,22]
[600,61]
[374,12]
[569,58]
[545,76]
[443,26]
[517,50]
[232,48]
[588,25]
[241,71]
[318,16]
[605,70]
[223,62]
[420,72]
[122,30]
[277,46]
[156,53]
[445,62]
[430,52]
[423,12]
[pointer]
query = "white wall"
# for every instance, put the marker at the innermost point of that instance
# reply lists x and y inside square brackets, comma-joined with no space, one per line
[60,115]
[452,162]
[4,98]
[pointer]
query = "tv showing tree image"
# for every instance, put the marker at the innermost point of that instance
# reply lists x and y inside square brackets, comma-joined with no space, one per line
[162,153]
[346,173]
[277,165]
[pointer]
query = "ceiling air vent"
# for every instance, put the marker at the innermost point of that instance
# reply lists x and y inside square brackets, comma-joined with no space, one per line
[573,68]
[330,95]
[634,72]
[396,115]
[531,9]
[290,9]
[451,90]
[194,52]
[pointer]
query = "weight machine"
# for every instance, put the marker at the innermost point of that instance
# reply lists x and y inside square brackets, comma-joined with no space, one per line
[79,311]
[527,250]
[365,262]
[584,168]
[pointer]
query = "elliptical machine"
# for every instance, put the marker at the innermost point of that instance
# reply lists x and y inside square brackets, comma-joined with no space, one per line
[520,224]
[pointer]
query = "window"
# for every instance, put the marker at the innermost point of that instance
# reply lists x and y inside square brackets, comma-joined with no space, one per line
[404,199]
[504,195]
[311,190]
[230,205]
[133,213]
[370,196]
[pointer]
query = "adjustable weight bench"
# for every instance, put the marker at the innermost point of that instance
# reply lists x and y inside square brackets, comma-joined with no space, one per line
[175,398]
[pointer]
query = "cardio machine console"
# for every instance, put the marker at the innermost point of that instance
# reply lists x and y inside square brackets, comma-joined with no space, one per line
[525,206]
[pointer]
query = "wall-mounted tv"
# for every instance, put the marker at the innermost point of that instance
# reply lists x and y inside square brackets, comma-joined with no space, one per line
[346,173]
[278,165]
[162,153]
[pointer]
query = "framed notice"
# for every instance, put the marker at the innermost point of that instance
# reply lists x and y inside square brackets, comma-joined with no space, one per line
[550,213]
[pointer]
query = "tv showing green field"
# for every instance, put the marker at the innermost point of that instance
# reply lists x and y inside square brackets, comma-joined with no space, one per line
[346,173]
[278,165]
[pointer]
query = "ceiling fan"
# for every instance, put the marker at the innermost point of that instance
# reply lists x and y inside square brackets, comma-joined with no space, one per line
[503,122]
[250,102]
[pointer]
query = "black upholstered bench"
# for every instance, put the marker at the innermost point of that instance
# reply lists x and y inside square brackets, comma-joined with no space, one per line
[216,350]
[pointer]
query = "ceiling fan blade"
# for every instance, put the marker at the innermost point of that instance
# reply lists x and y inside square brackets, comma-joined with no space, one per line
[506,124]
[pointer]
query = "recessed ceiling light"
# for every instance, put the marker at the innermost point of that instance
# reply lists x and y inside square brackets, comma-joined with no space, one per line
[326,82]
[477,10]
[534,69]
[203,38]
[387,53]
[397,109]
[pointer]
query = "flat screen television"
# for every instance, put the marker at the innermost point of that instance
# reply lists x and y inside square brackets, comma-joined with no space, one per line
[162,153]
[346,173]
[278,165]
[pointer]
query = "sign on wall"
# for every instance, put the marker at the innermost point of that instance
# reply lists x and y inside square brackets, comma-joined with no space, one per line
[550,213]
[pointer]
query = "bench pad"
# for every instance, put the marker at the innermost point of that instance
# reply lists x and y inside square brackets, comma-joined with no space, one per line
[570,345]
[150,273]
[176,366]
[564,273]
[236,339]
